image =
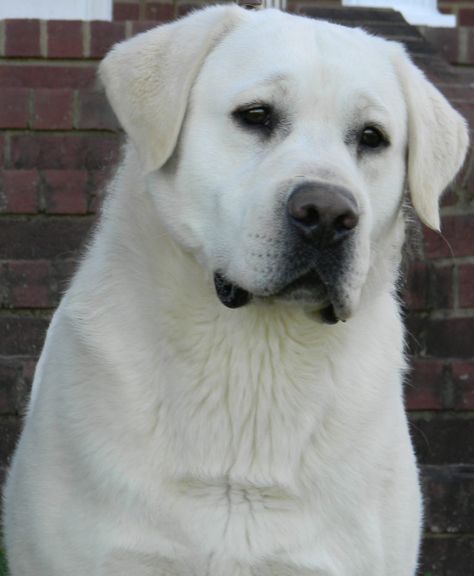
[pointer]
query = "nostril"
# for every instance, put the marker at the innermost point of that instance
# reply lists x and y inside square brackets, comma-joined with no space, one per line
[307,214]
[346,222]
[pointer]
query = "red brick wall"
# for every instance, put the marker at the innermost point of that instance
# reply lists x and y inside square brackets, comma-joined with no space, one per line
[57,140]
[464,10]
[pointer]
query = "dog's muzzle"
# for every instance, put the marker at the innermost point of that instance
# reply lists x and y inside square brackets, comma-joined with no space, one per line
[320,221]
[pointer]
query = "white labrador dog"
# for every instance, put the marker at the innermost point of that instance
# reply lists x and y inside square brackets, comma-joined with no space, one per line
[220,392]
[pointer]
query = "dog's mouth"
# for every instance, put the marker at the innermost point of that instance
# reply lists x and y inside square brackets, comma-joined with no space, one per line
[308,290]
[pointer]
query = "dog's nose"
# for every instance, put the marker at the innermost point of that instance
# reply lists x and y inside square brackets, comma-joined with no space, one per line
[323,212]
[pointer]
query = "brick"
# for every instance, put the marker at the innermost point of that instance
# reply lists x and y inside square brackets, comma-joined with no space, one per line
[469,184]
[95,112]
[447,10]
[22,336]
[463,383]
[44,151]
[14,107]
[447,556]
[456,239]
[466,109]
[19,191]
[428,286]
[53,109]
[457,93]
[466,285]
[104,35]
[98,186]
[468,167]
[425,385]
[3,285]
[184,9]
[65,39]
[9,433]
[45,76]
[449,338]
[415,326]
[446,40]
[37,284]
[448,505]
[124,11]
[65,191]
[9,376]
[436,385]
[2,147]
[29,369]
[29,284]
[442,438]
[159,11]
[351,16]
[449,198]
[143,26]
[43,238]
[63,271]
[469,57]
[22,38]
[15,384]
[466,17]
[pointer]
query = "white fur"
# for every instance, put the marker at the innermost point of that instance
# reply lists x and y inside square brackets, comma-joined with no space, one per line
[169,435]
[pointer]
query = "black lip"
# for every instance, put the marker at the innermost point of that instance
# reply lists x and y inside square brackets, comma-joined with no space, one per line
[233,296]
[230,294]
[328,315]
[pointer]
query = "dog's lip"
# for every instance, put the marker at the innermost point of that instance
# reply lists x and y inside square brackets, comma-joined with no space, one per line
[229,293]
[322,306]
[234,296]
[305,282]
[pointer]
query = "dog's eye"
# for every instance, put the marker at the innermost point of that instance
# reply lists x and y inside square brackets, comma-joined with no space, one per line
[372,137]
[258,116]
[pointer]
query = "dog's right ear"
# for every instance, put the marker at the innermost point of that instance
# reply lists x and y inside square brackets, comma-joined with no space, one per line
[148,78]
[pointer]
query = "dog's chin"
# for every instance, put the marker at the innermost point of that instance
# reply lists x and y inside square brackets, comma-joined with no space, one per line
[307,292]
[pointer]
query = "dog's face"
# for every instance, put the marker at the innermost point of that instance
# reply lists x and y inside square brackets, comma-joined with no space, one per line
[291,161]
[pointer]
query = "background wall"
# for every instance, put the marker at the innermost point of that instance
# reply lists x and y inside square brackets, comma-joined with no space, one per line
[58,140]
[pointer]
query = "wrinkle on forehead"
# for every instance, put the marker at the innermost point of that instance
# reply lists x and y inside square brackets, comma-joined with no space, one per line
[272,84]
[364,103]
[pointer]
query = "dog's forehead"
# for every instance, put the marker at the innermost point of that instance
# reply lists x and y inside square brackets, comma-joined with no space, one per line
[271,44]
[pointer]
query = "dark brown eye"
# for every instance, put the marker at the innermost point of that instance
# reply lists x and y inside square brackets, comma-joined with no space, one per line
[372,138]
[256,116]
[259,116]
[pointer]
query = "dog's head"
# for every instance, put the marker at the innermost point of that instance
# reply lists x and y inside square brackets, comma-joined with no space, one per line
[278,149]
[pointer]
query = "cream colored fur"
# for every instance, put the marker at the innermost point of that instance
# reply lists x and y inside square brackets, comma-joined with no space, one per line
[169,435]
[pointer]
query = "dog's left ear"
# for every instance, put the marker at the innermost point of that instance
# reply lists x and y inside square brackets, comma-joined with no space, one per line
[437,139]
[148,78]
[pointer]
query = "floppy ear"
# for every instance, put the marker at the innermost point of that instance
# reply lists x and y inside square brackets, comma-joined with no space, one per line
[148,78]
[437,140]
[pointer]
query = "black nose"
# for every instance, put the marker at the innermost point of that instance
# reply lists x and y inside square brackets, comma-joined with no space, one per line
[323,212]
